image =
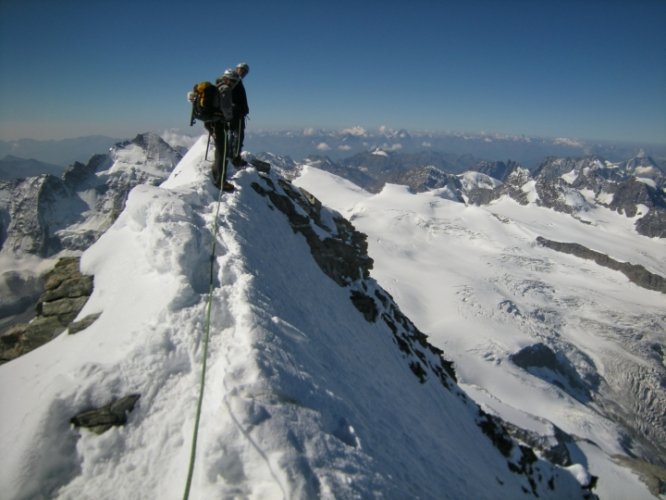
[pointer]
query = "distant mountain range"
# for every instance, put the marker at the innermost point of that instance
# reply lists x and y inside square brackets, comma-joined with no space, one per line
[61,152]
[464,148]
[634,187]
[461,149]
[12,167]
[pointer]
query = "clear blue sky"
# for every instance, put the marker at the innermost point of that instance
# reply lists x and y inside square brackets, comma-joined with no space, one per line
[590,69]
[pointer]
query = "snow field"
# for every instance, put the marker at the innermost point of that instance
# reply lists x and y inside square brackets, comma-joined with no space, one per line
[482,290]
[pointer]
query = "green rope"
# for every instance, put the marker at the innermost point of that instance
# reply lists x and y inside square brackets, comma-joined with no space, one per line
[209,302]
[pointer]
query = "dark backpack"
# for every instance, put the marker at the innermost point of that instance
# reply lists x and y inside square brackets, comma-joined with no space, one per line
[206,103]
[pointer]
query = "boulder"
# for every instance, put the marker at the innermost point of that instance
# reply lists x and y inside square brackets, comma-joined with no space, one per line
[101,419]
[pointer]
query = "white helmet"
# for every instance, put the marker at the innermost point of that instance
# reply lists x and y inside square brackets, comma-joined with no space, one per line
[230,76]
[243,67]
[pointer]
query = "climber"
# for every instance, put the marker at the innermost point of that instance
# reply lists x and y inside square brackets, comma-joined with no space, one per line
[241,110]
[221,130]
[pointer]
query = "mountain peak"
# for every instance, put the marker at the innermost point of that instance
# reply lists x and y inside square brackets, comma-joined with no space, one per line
[71,212]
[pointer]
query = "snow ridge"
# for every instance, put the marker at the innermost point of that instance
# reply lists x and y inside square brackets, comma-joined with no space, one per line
[305,396]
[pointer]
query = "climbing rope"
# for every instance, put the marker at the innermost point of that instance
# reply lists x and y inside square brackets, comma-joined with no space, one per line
[209,302]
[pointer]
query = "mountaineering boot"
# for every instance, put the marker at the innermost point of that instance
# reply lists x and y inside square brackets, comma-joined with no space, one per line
[228,187]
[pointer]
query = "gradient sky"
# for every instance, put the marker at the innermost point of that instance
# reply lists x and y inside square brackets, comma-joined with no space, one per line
[588,69]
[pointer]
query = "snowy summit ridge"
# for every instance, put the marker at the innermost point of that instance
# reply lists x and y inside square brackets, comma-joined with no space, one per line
[317,385]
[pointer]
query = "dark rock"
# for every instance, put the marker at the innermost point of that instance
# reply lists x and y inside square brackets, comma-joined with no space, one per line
[426,178]
[513,185]
[64,307]
[40,331]
[509,307]
[636,273]
[557,452]
[100,420]
[631,193]
[653,224]
[79,326]
[558,195]
[496,432]
[497,169]
[69,288]
[365,304]
[10,342]
[78,172]
[541,361]
[66,292]
[343,255]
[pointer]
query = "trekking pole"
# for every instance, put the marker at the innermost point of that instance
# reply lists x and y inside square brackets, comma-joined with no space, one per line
[224,160]
[207,146]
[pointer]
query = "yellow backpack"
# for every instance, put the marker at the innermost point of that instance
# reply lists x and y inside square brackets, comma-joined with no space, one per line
[206,103]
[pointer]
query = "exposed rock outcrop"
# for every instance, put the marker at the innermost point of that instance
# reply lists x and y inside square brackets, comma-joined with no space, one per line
[342,254]
[636,273]
[66,291]
[541,361]
[100,420]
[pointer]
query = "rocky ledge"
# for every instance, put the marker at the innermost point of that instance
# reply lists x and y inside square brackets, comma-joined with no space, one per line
[65,293]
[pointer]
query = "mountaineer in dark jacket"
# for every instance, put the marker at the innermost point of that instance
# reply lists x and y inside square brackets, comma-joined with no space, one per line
[241,110]
[225,84]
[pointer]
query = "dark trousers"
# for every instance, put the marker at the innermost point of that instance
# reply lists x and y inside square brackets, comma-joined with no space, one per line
[223,151]
[238,127]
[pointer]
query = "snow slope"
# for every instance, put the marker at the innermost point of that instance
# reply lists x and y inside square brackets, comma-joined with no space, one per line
[304,397]
[474,279]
